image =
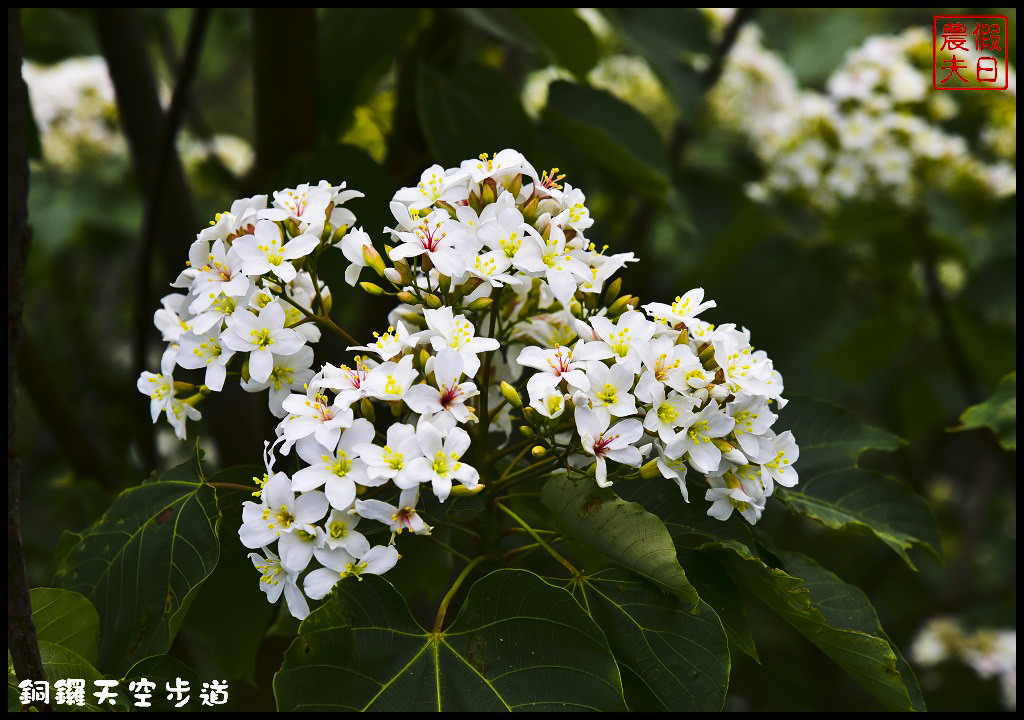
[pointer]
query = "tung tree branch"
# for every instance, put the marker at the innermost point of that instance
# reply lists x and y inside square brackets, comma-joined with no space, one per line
[21,630]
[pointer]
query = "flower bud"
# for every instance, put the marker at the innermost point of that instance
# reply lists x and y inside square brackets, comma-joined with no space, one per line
[590,300]
[531,415]
[511,395]
[618,307]
[432,301]
[612,291]
[576,309]
[474,202]
[469,285]
[707,356]
[527,431]
[292,227]
[480,303]
[404,273]
[488,191]
[730,453]
[447,208]
[392,276]
[650,470]
[370,288]
[529,208]
[373,259]
[339,234]
[366,409]
[407,297]
[684,337]
[539,451]
[444,283]
[420,360]
[463,491]
[516,185]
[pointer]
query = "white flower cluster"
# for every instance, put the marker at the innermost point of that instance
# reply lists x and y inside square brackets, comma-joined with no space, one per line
[73,105]
[494,274]
[671,385]
[244,298]
[990,653]
[874,134]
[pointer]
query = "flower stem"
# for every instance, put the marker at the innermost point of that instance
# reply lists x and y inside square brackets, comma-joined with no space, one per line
[454,589]
[233,486]
[533,533]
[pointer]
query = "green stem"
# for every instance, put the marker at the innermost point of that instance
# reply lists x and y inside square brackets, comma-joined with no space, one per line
[538,468]
[508,469]
[319,319]
[453,589]
[533,533]
[233,486]
[449,548]
[456,526]
[512,448]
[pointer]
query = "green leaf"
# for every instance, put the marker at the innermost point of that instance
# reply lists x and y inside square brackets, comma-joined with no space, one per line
[162,670]
[558,35]
[235,628]
[688,523]
[679,653]
[470,111]
[613,134]
[357,46]
[668,39]
[836,493]
[621,531]
[999,413]
[836,617]
[565,35]
[65,544]
[518,643]
[142,561]
[66,618]
[719,591]
[60,663]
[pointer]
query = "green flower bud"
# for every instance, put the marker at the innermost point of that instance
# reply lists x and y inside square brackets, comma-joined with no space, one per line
[511,395]
[372,289]
[373,259]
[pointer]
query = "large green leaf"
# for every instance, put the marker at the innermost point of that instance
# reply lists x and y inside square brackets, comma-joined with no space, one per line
[837,493]
[688,523]
[836,617]
[621,531]
[66,618]
[999,413]
[162,671]
[470,111]
[142,561]
[691,527]
[59,663]
[557,34]
[679,653]
[613,134]
[357,46]
[517,644]
[234,637]
[719,591]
